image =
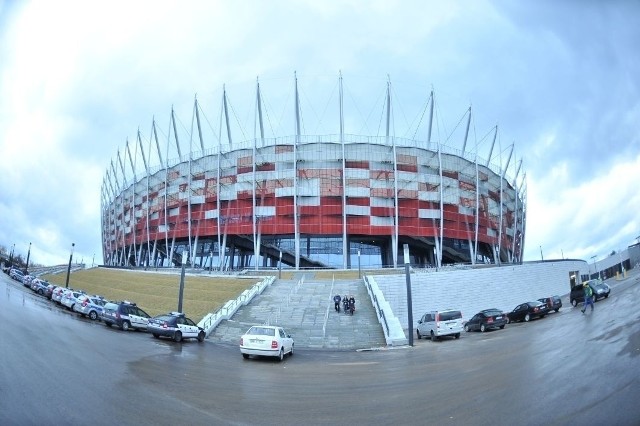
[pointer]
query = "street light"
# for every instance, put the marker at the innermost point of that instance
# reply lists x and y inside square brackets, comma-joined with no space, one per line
[69,267]
[11,255]
[28,255]
[210,261]
[409,302]
[280,266]
[359,273]
[594,265]
[541,256]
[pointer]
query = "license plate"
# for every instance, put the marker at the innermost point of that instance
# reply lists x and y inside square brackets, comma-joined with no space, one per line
[498,318]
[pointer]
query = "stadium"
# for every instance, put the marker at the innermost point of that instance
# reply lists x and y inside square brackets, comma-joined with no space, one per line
[300,200]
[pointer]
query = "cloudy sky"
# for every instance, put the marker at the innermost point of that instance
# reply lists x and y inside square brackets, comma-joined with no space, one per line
[561,79]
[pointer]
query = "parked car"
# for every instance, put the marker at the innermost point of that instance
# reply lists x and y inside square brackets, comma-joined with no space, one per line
[599,288]
[70,298]
[26,280]
[486,319]
[436,324]
[91,306]
[528,311]
[16,274]
[39,286]
[56,296]
[176,326]
[266,340]
[126,315]
[49,291]
[554,303]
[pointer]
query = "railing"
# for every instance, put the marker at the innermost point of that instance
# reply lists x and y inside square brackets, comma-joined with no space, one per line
[211,321]
[275,315]
[326,314]
[379,311]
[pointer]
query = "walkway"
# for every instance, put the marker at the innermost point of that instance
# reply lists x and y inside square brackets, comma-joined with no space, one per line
[304,307]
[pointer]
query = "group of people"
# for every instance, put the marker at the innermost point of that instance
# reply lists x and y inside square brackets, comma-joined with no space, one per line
[349,303]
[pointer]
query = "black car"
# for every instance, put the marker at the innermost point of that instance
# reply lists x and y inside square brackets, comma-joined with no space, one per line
[125,315]
[486,319]
[599,289]
[554,303]
[528,311]
[176,326]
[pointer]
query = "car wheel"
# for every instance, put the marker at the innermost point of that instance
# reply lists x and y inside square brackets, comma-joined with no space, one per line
[108,324]
[502,327]
[418,334]
[466,328]
[606,295]
[93,315]
[125,326]
[177,337]
[281,355]
[483,328]
[574,302]
[457,335]
[557,309]
[527,318]
[201,336]
[156,335]
[41,292]
[245,356]
[595,299]
[433,337]
[291,352]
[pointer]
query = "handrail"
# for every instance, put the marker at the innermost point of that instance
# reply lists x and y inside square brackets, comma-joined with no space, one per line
[379,311]
[326,314]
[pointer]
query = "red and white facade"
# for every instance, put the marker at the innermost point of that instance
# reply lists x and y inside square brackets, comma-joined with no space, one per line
[312,201]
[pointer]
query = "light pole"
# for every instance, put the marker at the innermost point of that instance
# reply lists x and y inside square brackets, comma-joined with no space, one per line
[594,265]
[280,267]
[93,259]
[541,256]
[409,302]
[11,255]
[210,261]
[69,267]
[359,273]
[28,255]
[184,260]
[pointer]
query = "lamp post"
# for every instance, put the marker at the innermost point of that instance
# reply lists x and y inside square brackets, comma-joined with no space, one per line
[93,259]
[11,255]
[180,293]
[409,302]
[594,265]
[541,256]
[69,267]
[28,255]
[280,266]
[210,261]
[359,271]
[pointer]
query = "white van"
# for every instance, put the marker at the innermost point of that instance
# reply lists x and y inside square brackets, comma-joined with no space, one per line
[435,324]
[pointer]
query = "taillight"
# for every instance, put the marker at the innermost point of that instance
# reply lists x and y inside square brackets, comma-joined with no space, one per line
[535,309]
[490,319]
[165,325]
[437,317]
[274,344]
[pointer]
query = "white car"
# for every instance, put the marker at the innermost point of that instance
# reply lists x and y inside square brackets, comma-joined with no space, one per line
[436,324]
[91,306]
[70,298]
[266,340]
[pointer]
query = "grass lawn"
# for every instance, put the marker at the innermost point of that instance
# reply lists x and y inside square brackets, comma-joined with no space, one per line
[157,293]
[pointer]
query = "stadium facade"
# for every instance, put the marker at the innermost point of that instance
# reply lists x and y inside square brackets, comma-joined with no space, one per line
[334,200]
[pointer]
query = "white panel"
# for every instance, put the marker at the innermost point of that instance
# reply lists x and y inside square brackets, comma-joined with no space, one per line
[195,184]
[357,192]
[174,211]
[381,221]
[127,230]
[285,192]
[429,196]
[381,202]
[429,214]
[379,183]
[357,210]
[265,211]
[182,196]
[211,214]
[163,228]
[309,201]
[228,193]
[309,187]
[197,199]
[356,173]
[155,215]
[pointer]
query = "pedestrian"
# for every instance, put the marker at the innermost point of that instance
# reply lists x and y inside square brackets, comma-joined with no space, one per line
[336,302]
[345,302]
[352,304]
[588,297]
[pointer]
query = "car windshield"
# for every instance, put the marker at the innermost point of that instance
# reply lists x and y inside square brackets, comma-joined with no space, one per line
[450,315]
[262,331]
[492,312]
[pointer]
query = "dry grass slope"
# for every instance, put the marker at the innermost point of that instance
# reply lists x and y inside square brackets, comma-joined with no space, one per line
[157,293]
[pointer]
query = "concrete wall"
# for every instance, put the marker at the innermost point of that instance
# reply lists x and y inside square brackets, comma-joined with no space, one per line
[472,290]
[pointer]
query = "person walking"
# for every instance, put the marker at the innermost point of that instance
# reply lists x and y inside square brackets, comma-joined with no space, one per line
[588,297]
[336,302]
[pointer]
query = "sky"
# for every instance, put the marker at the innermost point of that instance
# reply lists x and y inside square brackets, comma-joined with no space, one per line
[560,79]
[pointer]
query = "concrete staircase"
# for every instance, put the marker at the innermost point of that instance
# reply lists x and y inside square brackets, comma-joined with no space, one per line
[304,307]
